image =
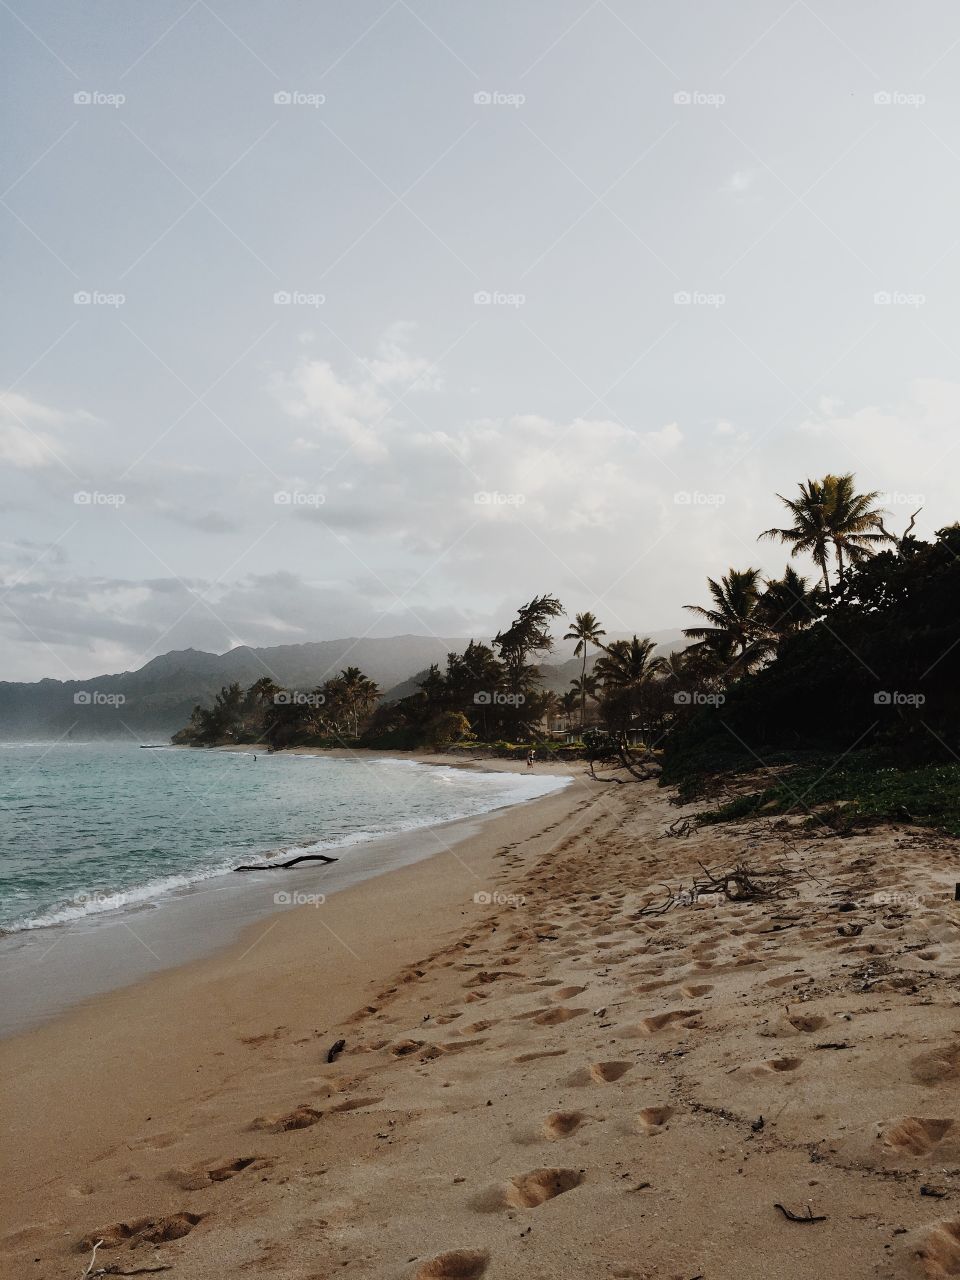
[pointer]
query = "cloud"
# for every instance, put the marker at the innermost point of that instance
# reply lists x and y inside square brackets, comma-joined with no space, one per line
[23,441]
[739,182]
[355,406]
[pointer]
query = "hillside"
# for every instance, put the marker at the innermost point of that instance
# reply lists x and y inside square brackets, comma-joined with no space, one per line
[156,699]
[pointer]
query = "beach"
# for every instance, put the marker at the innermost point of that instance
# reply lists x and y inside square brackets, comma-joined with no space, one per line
[534,1072]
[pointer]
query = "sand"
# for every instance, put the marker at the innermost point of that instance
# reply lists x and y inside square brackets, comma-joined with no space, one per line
[551,1083]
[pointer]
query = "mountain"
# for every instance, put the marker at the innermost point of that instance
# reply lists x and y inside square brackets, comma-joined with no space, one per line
[156,700]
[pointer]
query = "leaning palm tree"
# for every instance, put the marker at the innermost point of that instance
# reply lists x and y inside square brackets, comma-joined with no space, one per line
[586,630]
[810,531]
[855,523]
[732,620]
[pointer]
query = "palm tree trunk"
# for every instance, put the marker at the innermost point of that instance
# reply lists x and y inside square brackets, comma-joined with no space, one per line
[583,691]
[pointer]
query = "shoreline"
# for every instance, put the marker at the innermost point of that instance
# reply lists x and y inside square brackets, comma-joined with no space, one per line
[85,958]
[412,1085]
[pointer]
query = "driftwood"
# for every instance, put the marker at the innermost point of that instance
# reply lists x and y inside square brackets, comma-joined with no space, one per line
[281,866]
[739,885]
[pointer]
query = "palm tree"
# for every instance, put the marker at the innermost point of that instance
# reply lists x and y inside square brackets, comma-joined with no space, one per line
[733,624]
[786,607]
[359,694]
[625,669]
[830,513]
[810,529]
[855,522]
[583,687]
[569,702]
[586,630]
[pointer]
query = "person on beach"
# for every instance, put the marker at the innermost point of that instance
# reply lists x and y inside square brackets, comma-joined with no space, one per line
[531,756]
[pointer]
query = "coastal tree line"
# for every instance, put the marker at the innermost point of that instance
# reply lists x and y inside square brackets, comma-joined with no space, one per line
[770,658]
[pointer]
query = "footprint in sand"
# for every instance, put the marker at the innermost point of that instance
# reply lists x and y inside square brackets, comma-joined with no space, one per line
[302,1117]
[653,1119]
[696,989]
[154,1141]
[530,1190]
[544,1053]
[600,1073]
[204,1174]
[936,1065]
[141,1231]
[938,1254]
[915,1136]
[660,1020]
[807,1022]
[566,993]
[353,1104]
[553,1017]
[778,1066]
[457,1264]
[560,1124]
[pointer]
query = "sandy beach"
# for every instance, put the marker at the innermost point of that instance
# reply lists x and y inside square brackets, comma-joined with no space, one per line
[552,1081]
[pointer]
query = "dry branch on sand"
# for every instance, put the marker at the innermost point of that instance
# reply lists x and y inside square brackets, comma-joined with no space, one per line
[739,885]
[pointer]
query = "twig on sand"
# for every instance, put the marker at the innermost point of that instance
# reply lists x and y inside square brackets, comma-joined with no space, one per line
[809,1216]
[93,1258]
[278,866]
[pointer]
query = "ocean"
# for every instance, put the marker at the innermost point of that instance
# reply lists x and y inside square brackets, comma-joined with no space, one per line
[92,829]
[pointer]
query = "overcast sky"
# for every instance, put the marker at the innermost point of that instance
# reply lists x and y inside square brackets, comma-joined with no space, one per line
[377,317]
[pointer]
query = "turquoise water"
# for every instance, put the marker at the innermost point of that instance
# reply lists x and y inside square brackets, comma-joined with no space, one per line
[90,828]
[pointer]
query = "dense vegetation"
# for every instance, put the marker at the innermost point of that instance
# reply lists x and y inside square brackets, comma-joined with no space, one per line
[850,680]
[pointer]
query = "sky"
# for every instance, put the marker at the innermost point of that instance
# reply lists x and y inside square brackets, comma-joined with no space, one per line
[383,317]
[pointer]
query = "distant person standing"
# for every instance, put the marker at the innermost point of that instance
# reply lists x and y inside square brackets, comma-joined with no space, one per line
[531,756]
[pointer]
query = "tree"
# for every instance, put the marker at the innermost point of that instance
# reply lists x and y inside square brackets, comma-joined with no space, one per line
[526,636]
[733,622]
[786,606]
[358,693]
[625,669]
[586,630]
[829,513]
[854,522]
